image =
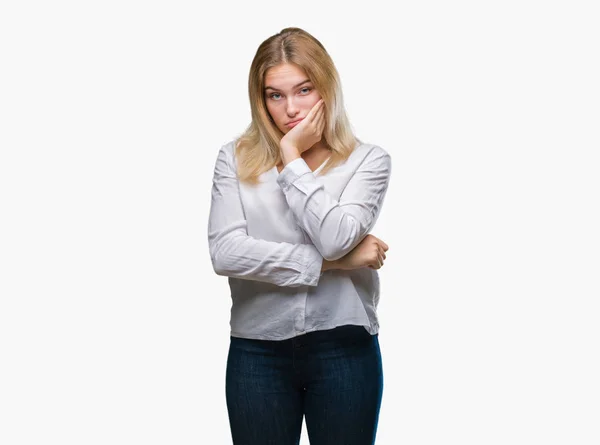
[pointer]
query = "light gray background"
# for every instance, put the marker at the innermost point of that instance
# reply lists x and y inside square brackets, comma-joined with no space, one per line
[113,326]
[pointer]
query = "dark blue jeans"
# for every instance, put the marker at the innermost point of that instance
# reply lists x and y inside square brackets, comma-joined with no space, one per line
[333,377]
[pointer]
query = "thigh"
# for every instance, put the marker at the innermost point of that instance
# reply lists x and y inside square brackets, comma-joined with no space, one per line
[264,404]
[344,391]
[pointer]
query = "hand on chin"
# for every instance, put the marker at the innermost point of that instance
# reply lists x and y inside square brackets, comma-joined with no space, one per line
[306,133]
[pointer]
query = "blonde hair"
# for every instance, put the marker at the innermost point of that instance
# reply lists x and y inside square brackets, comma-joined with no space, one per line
[257,149]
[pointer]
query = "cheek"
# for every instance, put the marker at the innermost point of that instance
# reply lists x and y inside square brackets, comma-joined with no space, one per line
[273,112]
[276,115]
[268,107]
[312,100]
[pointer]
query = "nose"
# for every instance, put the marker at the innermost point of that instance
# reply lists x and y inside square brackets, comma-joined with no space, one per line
[291,108]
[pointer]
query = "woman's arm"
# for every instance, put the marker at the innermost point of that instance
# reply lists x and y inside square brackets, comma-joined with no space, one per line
[236,254]
[328,265]
[336,227]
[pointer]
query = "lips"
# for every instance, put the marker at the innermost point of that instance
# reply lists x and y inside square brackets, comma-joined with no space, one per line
[292,123]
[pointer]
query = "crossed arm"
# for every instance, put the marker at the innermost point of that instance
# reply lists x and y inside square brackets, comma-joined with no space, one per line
[234,253]
[335,227]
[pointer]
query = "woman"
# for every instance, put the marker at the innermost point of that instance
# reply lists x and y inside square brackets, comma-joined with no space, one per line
[293,200]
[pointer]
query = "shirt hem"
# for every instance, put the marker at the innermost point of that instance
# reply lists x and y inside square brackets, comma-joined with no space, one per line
[371,329]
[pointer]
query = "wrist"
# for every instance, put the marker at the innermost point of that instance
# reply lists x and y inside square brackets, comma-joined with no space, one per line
[329,265]
[289,153]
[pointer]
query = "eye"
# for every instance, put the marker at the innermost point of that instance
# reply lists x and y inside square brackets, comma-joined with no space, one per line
[302,89]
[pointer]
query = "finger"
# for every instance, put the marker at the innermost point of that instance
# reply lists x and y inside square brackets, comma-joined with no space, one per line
[382,252]
[378,262]
[378,240]
[313,111]
[311,114]
[384,245]
[320,119]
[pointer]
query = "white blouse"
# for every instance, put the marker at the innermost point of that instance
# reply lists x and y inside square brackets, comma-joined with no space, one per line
[270,240]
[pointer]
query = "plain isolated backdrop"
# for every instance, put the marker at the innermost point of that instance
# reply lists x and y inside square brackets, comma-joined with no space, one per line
[113,326]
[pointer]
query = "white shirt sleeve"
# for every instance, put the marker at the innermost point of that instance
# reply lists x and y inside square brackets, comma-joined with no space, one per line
[337,227]
[236,254]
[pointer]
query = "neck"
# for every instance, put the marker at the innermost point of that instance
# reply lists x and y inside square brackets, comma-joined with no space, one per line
[319,147]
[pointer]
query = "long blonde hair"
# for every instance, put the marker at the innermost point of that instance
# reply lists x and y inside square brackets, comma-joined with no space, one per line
[257,148]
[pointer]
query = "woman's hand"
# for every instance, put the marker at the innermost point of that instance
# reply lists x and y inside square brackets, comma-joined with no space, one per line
[306,133]
[370,252]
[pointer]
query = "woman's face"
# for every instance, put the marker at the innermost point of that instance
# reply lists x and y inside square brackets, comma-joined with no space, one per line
[289,95]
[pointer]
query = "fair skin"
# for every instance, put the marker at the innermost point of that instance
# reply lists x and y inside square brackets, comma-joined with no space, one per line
[289,96]
[370,252]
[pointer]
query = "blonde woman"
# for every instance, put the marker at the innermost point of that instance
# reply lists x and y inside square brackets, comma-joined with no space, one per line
[293,201]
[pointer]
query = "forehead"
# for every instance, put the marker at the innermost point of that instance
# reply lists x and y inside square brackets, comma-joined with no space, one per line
[284,76]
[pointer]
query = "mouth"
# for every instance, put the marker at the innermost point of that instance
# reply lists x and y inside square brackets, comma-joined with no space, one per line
[293,123]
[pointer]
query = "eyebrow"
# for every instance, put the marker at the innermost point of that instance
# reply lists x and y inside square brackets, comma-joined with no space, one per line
[295,86]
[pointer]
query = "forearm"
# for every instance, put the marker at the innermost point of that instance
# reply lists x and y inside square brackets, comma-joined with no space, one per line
[238,255]
[327,265]
[336,224]
[332,265]
[288,154]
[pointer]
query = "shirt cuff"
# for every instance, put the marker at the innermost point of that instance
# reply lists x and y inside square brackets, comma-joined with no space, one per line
[313,273]
[292,171]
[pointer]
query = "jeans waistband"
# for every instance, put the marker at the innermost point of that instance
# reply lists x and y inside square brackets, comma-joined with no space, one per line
[313,337]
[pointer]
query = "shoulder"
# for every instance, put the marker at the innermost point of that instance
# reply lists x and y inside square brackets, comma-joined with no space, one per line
[368,154]
[229,147]
[227,151]
[225,164]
